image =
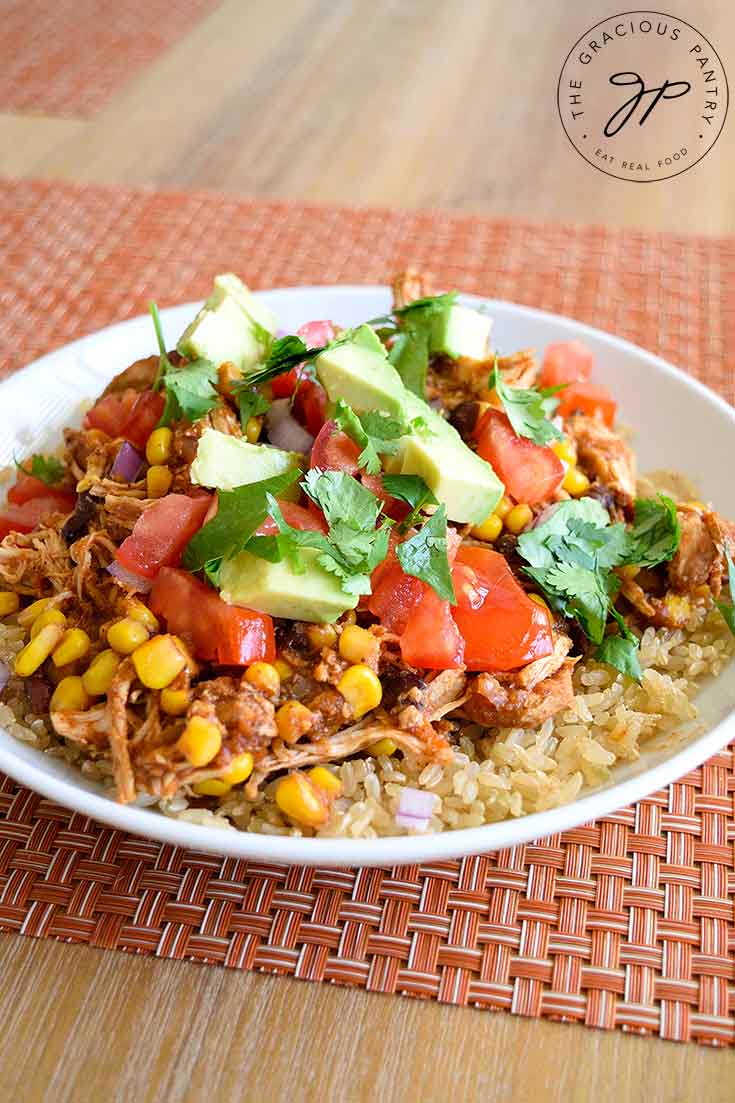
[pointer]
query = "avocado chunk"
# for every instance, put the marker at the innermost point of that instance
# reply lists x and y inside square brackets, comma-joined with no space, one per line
[359,372]
[275,588]
[232,325]
[225,462]
[460,331]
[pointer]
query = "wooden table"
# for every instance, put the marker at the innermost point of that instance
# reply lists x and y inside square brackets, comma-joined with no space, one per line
[411,104]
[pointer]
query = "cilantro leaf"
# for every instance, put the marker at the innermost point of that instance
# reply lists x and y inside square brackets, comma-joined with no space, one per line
[621,651]
[353,546]
[728,610]
[410,489]
[251,403]
[411,325]
[46,468]
[571,556]
[425,556]
[529,410]
[190,392]
[430,304]
[286,353]
[375,432]
[239,513]
[656,532]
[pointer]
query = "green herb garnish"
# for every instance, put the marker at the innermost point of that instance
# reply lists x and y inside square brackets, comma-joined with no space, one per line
[621,651]
[190,392]
[376,432]
[353,546]
[425,556]
[656,532]
[239,513]
[164,364]
[529,410]
[251,403]
[411,328]
[46,468]
[410,489]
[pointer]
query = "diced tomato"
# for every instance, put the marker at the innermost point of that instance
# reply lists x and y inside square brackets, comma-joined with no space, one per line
[566,362]
[111,412]
[317,334]
[161,533]
[334,451]
[502,628]
[131,414]
[431,638]
[310,406]
[395,595]
[27,487]
[297,517]
[25,517]
[283,386]
[143,418]
[215,631]
[531,472]
[589,398]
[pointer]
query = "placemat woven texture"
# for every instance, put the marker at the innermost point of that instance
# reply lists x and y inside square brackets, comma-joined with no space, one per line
[68,57]
[626,923]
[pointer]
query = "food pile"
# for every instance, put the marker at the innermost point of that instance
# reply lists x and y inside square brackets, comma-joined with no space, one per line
[267,563]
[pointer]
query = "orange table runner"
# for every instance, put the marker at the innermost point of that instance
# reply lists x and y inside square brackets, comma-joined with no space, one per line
[625,923]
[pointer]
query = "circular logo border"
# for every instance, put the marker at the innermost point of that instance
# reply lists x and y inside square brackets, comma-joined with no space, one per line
[614,175]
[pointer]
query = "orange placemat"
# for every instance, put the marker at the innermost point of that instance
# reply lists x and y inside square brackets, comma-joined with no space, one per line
[68,57]
[625,923]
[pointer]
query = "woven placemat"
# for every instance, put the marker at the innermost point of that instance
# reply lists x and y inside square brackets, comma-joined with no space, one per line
[68,57]
[626,923]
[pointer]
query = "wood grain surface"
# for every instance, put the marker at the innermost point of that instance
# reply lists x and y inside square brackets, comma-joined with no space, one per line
[403,102]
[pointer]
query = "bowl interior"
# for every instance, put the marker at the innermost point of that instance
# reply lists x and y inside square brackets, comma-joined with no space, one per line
[678,424]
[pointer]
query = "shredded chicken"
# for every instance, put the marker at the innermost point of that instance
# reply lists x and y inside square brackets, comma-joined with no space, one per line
[605,456]
[31,562]
[246,716]
[409,286]
[526,697]
[117,700]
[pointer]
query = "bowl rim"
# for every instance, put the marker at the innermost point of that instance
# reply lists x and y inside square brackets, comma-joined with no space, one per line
[385,851]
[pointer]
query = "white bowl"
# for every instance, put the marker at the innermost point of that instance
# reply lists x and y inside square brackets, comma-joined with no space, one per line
[679,424]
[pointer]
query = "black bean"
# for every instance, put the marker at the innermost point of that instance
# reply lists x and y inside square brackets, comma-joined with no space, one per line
[464,418]
[78,523]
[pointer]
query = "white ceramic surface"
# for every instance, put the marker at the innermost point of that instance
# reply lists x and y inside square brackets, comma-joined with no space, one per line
[680,424]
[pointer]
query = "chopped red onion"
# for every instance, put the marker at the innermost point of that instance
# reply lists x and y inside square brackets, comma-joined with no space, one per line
[129,578]
[4,676]
[284,430]
[415,809]
[38,691]
[128,463]
[318,333]
[545,514]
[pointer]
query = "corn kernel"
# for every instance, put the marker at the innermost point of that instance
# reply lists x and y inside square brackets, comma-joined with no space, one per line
[227,375]
[75,644]
[503,507]
[240,769]
[28,660]
[694,505]
[158,446]
[49,616]
[321,635]
[174,702]
[357,645]
[575,482]
[302,801]
[518,518]
[565,450]
[361,688]
[125,635]
[253,428]
[630,571]
[158,481]
[69,694]
[139,611]
[27,616]
[283,669]
[539,600]
[211,787]
[326,780]
[293,720]
[200,741]
[99,675]
[9,603]
[490,529]
[384,747]
[263,676]
[158,661]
